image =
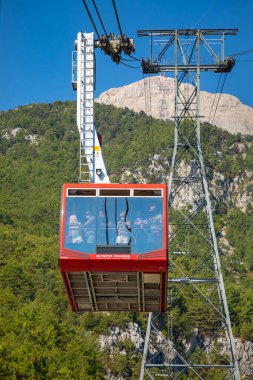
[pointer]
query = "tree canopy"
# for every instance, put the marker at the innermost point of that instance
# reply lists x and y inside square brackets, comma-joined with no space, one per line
[39,151]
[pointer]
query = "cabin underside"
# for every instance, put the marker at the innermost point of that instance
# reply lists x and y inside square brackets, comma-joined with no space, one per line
[116,291]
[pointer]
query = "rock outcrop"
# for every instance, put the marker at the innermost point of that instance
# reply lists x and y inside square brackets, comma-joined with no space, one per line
[133,333]
[234,192]
[116,334]
[231,114]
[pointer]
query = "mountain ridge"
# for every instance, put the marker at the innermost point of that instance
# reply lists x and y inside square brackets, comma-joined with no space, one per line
[231,115]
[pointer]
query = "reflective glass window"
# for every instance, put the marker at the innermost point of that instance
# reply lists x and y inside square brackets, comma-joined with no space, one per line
[136,222]
[113,221]
[80,224]
[147,224]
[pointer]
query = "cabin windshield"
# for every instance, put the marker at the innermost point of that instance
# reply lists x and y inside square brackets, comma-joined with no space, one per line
[135,223]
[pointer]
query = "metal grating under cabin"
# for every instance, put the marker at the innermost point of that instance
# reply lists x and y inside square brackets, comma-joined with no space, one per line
[119,291]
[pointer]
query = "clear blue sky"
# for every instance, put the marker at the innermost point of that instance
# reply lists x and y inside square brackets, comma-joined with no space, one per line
[36,41]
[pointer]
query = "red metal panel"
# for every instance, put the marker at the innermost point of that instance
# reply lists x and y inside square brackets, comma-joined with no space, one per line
[68,288]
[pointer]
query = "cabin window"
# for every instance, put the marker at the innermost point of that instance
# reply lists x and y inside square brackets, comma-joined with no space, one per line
[114,192]
[80,224]
[147,193]
[81,192]
[95,222]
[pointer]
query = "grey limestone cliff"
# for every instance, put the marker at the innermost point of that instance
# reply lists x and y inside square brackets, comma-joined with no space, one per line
[231,114]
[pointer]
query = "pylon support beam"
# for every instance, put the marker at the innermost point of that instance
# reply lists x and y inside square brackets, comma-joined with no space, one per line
[196,273]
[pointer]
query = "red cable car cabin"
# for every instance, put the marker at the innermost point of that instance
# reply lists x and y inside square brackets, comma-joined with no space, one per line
[113,246]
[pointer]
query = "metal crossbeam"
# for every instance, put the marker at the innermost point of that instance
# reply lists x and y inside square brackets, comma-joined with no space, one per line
[209,43]
[187,32]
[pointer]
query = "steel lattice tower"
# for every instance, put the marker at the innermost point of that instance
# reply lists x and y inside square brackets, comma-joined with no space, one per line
[206,350]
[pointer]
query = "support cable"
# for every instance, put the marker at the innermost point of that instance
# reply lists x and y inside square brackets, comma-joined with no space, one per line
[98,14]
[147,93]
[90,17]
[131,60]
[151,120]
[117,17]
[136,59]
[222,86]
[249,51]
[148,103]
[132,67]
[215,97]
[110,44]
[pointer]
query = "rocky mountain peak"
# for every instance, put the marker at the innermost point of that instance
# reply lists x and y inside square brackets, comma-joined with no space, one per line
[231,114]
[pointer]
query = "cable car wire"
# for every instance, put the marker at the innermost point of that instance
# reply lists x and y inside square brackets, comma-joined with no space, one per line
[107,42]
[222,86]
[244,52]
[130,60]
[148,106]
[136,59]
[214,98]
[133,58]
[90,17]
[145,93]
[117,17]
[151,120]
[98,14]
[146,102]
[132,67]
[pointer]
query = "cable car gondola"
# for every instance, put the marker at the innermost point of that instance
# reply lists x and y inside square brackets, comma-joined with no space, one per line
[113,246]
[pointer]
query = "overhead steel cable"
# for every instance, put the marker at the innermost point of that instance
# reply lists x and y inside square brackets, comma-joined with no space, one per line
[136,59]
[128,60]
[90,17]
[164,49]
[222,86]
[100,19]
[117,17]
[109,43]
[149,96]
[145,95]
[132,67]
[214,98]
[249,51]
[148,106]
[151,120]
[132,58]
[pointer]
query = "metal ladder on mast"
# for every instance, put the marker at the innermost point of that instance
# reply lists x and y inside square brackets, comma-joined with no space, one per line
[86,172]
[91,166]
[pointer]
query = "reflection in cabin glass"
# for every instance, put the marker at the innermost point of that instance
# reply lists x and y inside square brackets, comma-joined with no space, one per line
[114,221]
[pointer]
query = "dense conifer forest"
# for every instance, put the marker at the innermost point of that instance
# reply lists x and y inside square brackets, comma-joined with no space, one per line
[40,338]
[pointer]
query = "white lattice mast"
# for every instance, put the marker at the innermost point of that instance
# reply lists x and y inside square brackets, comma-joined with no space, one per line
[92,167]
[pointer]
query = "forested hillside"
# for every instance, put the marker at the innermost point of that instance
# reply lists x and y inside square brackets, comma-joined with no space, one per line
[40,338]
